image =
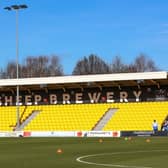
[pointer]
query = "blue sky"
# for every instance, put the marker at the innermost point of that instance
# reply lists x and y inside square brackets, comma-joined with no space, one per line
[72,29]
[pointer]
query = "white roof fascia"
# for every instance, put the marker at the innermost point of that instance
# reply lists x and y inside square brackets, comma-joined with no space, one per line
[85,78]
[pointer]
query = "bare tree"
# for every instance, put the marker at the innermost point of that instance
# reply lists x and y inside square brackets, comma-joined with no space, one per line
[10,71]
[131,68]
[2,74]
[41,66]
[151,65]
[91,65]
[118,66]
[54,67]
[143,63]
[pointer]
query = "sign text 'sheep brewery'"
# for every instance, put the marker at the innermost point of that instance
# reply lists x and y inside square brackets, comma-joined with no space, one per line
[93,95]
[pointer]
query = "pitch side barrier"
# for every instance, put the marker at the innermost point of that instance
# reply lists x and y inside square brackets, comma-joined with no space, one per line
[143,133]
[61,134]
[112,134]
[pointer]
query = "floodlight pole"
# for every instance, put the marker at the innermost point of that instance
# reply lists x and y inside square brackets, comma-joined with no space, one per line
[17,70]
[16,8]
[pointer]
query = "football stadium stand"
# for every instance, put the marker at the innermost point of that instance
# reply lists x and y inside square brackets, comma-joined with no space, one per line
[8,117]
[128,116]
[138,116]
[109,102]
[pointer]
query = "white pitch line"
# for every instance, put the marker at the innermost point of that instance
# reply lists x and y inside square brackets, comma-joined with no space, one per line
[79,159]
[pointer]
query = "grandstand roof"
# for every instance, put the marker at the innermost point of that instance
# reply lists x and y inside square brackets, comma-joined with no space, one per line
[100,80]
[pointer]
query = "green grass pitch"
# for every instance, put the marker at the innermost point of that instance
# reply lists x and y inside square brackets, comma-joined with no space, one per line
[136,152]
